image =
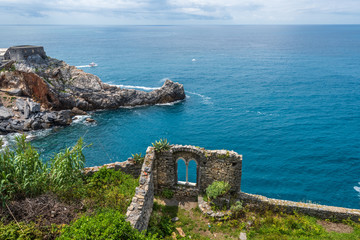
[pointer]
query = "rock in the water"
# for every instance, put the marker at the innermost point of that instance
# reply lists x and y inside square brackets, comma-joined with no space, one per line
[5,113]
[63,118]
[90,120]
[77,111]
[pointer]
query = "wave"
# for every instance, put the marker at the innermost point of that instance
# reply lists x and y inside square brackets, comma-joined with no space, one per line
[356,188]
[169,104]
[206,100]
[38,134]
[9,139]
[83,66]
[79,119]
[136,87]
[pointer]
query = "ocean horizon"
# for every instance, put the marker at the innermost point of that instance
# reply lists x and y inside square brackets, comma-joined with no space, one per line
[286,97]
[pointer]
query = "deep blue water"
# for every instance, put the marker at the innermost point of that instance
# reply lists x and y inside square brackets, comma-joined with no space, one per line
[286,97]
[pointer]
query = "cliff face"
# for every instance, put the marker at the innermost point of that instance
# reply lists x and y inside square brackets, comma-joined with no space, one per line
[40,93]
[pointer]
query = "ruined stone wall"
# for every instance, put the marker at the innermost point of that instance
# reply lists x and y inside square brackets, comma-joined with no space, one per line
[212,165]
[18,53]
[316,210]
[128,167]
[140,209]
[221,165]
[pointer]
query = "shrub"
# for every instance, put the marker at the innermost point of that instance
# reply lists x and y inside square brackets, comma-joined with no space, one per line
[65,171]
[108,188]
[161,145]
[13,232]
[167,193]
[138,158]
[107,224]
[24,174]
[217,189]
[236,209]
[30,230]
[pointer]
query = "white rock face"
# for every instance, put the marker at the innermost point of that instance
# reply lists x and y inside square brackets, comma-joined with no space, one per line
[5,113]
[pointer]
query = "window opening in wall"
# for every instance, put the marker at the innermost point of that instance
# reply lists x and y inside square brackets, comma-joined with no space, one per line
[192,172]
[186,172]
[181,171]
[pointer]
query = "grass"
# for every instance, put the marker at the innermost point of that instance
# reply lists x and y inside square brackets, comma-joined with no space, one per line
[257,225]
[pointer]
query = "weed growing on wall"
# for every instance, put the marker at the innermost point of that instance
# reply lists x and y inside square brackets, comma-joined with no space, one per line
[138,158]
[161,145]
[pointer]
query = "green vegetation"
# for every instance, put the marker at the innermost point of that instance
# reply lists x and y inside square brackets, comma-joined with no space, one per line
[237,209]
[217,189]
[27,231]
[100,200]
[12,68]
[24,174]
[167,193]
[108,188]
[107,224]
[138,158]
[161,145]
[257,225]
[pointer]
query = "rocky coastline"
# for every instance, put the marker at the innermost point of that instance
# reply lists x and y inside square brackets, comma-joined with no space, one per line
[39,92]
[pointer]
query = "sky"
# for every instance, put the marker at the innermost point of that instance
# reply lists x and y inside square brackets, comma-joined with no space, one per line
[179,12]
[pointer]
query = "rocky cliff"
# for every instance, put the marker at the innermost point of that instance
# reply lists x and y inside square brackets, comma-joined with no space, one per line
[40,93]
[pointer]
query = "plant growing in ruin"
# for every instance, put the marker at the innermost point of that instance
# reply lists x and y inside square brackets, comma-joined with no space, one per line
[217,189]
[138,158]
[161,145]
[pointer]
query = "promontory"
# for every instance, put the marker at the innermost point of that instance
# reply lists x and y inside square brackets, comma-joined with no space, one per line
[39,92]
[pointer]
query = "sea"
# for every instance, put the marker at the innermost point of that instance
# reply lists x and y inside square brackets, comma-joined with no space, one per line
[285,97]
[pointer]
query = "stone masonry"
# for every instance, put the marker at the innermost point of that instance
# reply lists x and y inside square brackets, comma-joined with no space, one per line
[316,210]
[212,165]
[140,209]
[23,52]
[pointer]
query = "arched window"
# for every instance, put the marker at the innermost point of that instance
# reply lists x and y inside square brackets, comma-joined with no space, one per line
[181,171]
[192,172]
[186,172]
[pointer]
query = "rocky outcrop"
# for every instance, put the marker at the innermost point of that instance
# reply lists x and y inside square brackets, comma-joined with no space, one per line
[47,92]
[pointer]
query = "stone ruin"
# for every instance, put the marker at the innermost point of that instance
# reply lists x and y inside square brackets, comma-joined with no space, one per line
[24,52]
[160,171]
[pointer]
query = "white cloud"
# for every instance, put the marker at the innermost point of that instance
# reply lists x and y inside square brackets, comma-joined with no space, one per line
[177,11]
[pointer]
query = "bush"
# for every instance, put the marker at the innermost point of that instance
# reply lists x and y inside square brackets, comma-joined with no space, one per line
[24,174]
[65,171]
[167,193]
[107,224]
[217,189]
[236,209]
[161,145]
[108,188]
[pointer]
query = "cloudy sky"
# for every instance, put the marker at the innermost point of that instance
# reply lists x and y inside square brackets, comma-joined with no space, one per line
[119,12]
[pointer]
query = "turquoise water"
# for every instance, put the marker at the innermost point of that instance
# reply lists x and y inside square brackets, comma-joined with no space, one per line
[286,97]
